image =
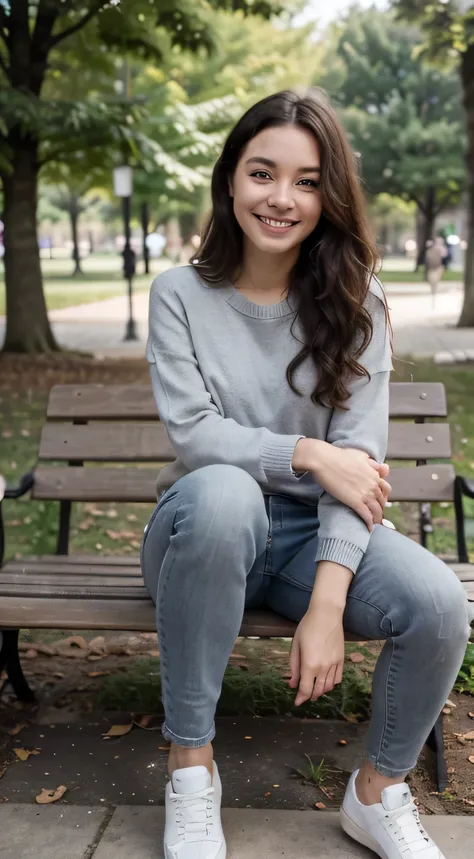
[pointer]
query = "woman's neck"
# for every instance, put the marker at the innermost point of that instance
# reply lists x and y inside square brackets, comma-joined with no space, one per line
[264,272]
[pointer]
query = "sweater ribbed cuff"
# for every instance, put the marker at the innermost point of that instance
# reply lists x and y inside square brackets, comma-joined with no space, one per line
[276,455]
[340,552]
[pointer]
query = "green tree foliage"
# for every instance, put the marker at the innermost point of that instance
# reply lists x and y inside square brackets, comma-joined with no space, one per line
[448,30]
[37,38]
[404,118]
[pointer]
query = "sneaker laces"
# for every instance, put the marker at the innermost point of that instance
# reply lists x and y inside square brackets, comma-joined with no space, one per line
[193,814]
[407,826]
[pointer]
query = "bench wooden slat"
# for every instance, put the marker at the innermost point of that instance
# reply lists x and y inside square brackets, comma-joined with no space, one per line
[418,400]
[32,579]
[94,560]
[78,592]
[64,567]
[128,402]
[423,483]
[113,442]
[132,614]
[102,442]
[419,441]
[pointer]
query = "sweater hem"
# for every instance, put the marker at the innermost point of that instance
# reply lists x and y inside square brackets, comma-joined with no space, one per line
[339,552]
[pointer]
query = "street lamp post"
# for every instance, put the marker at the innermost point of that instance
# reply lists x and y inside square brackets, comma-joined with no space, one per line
[123,189]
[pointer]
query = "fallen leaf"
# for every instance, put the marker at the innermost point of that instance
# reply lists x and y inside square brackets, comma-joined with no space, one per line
[31,654]
[7,434]
[471,759]
[143,722]
[468,736]
[447,711]
[112,514]
[24,754]
[16,730]
[342,742]
[98,673]
[357,657]
[86,524]
[47,796]
[450,704]
[471,715]
[121,535]
[247,738]
[154,653]
[468,801]
[320,806]
[58,674]
[25,433]
[268,793]
[118,730]
[46,649]
[135,544]
[132,518]
[97,644]
[95,658]
[74,641]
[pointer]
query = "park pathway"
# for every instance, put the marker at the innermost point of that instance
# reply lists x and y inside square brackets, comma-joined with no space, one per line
[418,329]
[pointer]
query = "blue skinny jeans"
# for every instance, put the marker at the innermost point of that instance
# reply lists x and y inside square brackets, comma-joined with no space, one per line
[216,545]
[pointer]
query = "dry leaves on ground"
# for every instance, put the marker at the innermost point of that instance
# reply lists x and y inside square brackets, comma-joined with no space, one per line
[320,806]
[24,754]
[468,736]
[471,759]
[118,731]
[16,730]
[357,657]
[47,796]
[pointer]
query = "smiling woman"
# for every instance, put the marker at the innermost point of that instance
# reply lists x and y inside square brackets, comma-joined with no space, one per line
[270,359]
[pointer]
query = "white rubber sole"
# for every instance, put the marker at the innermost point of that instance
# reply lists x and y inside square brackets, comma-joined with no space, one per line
[360,835]
[221,855]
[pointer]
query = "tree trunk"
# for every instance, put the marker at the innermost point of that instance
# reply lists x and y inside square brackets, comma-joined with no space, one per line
[28,328]
[145,218]
[74,218]
[425,225]
[467,75]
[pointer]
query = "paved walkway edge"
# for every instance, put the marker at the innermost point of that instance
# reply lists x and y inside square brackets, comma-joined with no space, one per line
[29,831]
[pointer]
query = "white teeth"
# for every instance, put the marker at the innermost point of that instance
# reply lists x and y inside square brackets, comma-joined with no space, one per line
[276,223]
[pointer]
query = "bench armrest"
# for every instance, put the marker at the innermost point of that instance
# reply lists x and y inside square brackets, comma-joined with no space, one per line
[467,486]
[26,483]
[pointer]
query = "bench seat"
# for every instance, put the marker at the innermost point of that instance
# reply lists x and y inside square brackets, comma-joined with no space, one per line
[81,592]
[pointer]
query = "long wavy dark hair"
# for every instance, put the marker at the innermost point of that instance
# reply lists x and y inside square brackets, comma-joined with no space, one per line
[330,280]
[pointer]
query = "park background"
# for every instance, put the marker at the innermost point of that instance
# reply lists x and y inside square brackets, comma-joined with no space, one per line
[154,87]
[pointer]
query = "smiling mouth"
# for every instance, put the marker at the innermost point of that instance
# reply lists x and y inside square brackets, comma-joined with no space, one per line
[272,223]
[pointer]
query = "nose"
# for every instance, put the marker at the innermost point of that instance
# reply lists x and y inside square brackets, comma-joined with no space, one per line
[281,196]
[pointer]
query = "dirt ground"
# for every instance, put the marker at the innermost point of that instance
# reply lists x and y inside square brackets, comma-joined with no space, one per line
[67,671]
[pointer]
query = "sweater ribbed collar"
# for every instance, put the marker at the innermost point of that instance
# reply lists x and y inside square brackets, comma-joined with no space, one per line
[249,308]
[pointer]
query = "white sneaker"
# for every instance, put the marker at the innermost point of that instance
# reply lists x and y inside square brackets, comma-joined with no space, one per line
[193,828]
[391,828]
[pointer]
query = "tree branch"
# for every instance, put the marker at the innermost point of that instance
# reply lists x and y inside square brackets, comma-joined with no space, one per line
[97,6]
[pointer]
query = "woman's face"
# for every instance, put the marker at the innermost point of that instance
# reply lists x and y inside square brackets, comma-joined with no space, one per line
[277,201]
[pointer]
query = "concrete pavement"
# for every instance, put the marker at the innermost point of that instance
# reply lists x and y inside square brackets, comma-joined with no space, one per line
[419,329]
[80,832]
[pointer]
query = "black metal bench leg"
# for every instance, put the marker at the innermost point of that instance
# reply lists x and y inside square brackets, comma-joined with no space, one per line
[10,661]
[435,742]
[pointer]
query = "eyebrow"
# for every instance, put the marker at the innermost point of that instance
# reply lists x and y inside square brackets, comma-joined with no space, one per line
[270,163]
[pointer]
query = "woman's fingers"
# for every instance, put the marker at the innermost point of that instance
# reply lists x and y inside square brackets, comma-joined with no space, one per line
[366,514]
[294,663]
[330,679]
[339,673]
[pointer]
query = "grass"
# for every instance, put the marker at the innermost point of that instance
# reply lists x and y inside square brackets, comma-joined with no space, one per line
[393,276]
[102,278]
[260,691]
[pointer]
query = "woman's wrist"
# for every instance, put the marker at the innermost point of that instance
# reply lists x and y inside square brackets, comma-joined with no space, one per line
[331,587]
[308,455]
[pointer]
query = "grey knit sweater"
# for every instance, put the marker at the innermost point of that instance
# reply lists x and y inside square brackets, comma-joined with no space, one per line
[218,364]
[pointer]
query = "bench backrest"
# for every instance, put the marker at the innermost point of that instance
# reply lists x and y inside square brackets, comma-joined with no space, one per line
[106,440]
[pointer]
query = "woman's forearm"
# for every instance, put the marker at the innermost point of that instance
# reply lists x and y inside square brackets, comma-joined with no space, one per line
[331,587]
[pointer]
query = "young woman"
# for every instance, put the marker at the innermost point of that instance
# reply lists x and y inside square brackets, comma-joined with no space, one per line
[270,360]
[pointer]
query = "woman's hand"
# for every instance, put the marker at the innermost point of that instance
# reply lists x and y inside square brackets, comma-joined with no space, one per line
[317,653]
[349,475]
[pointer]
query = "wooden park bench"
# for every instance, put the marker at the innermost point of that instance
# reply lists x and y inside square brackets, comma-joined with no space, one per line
[117,428]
